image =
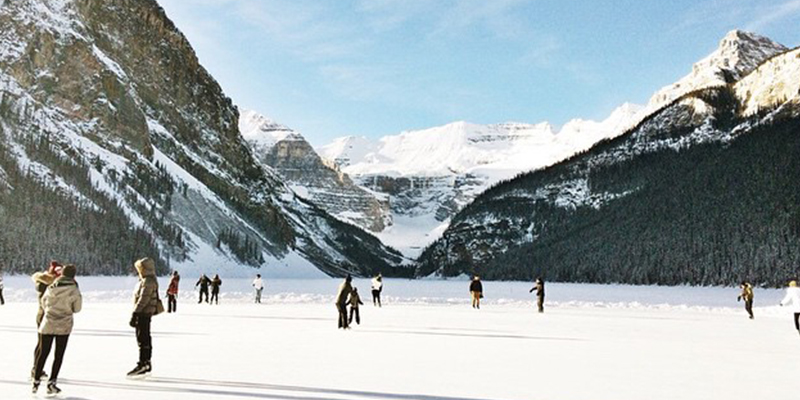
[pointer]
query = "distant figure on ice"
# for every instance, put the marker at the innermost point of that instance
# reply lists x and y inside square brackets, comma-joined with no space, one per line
[355,301]
[793,298]
[476,290]
[215,284]
[146,305]
[747,296]
[43,280]
[2,300]
[61,300]
[341,301]
[377,287]
[539,288]
[203,282]
[258,285]
[172,292]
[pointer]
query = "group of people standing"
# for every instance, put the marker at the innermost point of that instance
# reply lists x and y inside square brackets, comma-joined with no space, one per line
[476,292]
[347,295]
[204,283]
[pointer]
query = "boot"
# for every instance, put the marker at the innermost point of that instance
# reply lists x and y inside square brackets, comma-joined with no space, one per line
[35,387]
[141,370]
[52,389]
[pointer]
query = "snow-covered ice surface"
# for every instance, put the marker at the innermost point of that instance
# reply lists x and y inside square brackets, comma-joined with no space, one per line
[426,343]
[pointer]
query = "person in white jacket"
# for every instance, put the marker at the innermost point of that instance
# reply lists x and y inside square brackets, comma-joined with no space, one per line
[60,301]
[793,298]
[258,285]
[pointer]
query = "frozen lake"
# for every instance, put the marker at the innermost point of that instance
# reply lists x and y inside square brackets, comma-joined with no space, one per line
[426,343]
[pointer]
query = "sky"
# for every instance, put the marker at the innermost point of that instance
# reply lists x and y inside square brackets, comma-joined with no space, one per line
[332,68]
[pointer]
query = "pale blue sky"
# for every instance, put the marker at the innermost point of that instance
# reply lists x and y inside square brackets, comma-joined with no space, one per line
[376,67]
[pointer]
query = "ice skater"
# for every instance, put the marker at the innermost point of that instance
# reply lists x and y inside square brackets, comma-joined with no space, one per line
[539,288]
[61,300]
[747,296]
[476,290]
[42,280]
[377,288]
[203,282]
[355,301]
[146,305]
[258,285]
[215,284]
[172,292]
[793,298]
[341,301]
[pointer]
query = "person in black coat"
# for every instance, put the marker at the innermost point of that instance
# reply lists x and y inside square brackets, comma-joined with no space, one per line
[215,284]
[203,282]
[476,290]
[539,288]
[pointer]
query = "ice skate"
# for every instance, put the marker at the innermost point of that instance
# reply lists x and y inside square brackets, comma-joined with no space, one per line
[141,371]
[52,389]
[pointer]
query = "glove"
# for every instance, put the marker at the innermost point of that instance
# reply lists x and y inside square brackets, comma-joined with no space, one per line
[739,298]
[134,321]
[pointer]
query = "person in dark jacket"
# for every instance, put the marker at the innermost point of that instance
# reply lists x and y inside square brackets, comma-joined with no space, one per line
[146,304]
[203,282]
[476,290]
[61,300]
[42,280]
[215,284]
[539,288]
[747,296]
[355,301]
[172,292]
[341,301]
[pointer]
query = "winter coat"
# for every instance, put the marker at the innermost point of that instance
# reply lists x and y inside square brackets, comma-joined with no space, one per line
[539,288]
[354,300]
[42,280]
[258,284]
[377,284]
[172,289]
[793,298]
[203,283]
[344,290]
[747,292]
[476,286]
[215,284]
[60,301]
[145,298]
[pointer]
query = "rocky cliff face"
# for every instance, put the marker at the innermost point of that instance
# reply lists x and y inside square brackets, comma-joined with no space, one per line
[104,104]
[293,158]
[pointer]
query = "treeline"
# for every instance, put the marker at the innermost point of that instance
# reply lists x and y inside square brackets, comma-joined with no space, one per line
[711,214]
[78,225]
[246,250]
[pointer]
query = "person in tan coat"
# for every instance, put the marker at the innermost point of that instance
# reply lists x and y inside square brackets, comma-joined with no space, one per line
[60,301]
[42,280]
[146,305]
[747,296]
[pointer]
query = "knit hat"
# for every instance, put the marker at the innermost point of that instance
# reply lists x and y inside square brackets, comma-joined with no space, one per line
[69,271]
[55,268]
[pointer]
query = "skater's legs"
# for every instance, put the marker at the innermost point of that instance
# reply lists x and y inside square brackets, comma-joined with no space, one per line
[797,321]
[42,351]
[342,315]
[540,304]
[748,306]
[358,317]
[172,303]
[2,300]
[61,347]
[144,339]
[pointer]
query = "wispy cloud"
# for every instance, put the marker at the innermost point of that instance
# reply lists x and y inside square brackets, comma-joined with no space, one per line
[774,13]
[746,14]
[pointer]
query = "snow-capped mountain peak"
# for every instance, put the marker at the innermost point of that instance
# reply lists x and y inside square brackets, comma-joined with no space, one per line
[264,132]
[739,52]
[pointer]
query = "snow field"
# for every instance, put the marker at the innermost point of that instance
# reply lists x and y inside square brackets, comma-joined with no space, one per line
[593,342]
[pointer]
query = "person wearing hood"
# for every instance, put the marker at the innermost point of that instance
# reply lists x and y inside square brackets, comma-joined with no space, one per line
[61,300]
[539,288]
[377,288]
[345,288]
[146,304]
[172,292]
[747,296]
[203,282]
[42,280]
[355,301]
[476,290]
[215,284]
[258,285]
[793,299]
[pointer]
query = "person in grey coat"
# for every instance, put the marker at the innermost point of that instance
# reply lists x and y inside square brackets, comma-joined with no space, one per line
[60,301]
[341,301]
[146,305]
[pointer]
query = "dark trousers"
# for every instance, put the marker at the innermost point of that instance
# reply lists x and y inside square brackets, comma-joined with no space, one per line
[203,292]
[143,338]
[215,296]
[797,321]
[376,297]
[342,315]
[2,300]
[748,306]
[354,310]
[540,303]
[172,303]
[43,351]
